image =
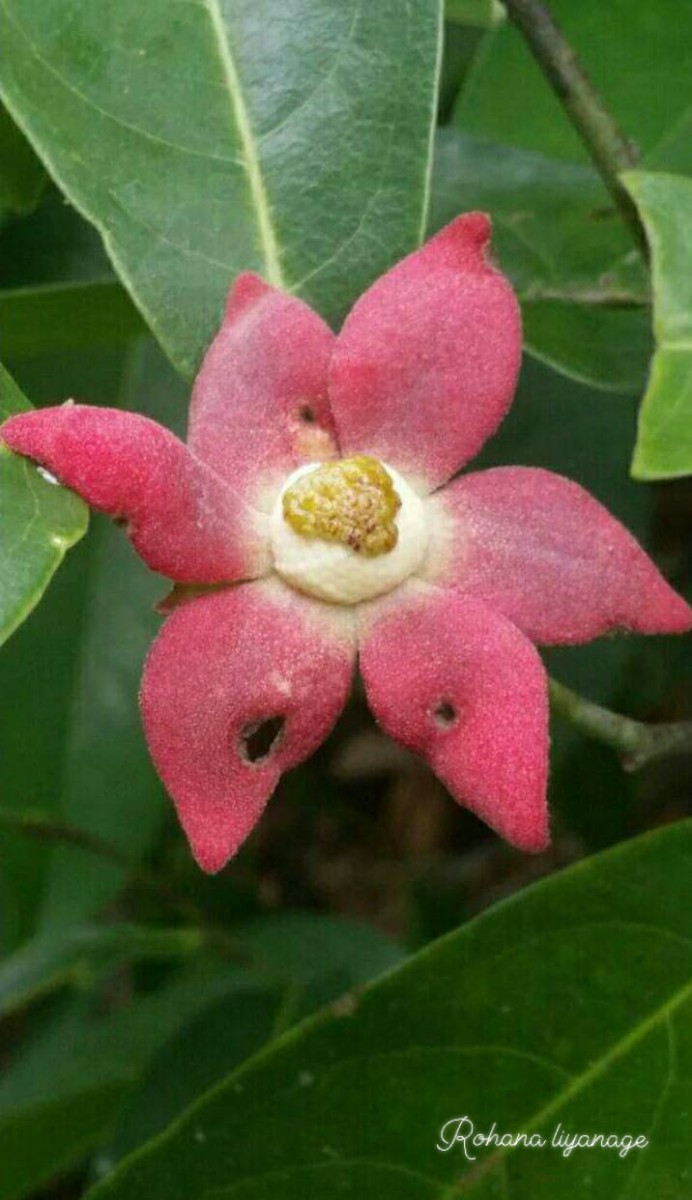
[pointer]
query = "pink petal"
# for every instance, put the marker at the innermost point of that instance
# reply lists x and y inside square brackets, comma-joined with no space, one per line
[222,665]
[546,554]
[182,519]
[259,406]
[425,366]
[461,686]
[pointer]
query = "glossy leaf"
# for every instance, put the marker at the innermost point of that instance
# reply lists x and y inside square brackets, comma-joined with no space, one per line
[664,439]
[621,44]
[206,138]
[583,289]
[40,522]
[526,1018]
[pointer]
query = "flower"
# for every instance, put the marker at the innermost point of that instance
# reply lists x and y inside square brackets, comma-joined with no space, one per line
[310,516]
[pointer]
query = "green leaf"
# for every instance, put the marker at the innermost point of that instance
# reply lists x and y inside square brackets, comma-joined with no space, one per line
[40,522]
[524,1018]
[664,438]
[206,138]
[21,173]
[566,250]
[53,317]
[620,43]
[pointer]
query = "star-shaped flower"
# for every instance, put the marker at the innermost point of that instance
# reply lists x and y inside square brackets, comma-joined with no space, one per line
[314,492]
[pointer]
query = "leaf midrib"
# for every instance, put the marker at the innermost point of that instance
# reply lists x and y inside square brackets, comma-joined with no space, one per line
[251,162]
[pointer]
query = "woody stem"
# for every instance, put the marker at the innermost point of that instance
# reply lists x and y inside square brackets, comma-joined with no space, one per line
[636,742]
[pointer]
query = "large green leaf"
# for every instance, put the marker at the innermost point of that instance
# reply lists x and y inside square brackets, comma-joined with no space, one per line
[568,1004]
[664,440]
[638,54]
[582,287]
[206,138]
[39,523]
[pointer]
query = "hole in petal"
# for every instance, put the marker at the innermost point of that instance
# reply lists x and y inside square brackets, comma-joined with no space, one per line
[307,414]
[259,739]
[445,714]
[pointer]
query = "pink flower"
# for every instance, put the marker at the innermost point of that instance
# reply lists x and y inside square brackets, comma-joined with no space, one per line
[442,587]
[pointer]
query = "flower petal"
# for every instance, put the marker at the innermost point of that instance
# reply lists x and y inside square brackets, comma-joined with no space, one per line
[226,670]
[425,366]
[182,518]
[461,686]
[259,406]
[542,551]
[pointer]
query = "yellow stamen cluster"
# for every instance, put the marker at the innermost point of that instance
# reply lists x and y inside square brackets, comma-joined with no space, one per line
[352,501]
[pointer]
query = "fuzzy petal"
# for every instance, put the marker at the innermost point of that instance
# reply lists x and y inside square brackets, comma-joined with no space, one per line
[259,406]
[182,519]
[461,686]
[222,665]
[541,550]
[425,366]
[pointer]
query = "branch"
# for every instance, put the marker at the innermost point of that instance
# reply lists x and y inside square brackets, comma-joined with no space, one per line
[610,150]
[636,742]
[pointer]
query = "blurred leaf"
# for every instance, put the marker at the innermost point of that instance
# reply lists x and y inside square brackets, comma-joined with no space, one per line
[608,348]
[564,247]
[305,960]
[52,245]
[204,139]
[664,439]
[554,226]
[524,1018]
[80,955]
[144,1063]
[63,1092]
[21,173]
[108,784]
[39,320]
[47,1137]
[302,946]
[40,522]
[484,13]
[639,56]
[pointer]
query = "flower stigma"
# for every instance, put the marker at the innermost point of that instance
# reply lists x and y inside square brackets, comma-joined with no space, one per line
[352,501]
[347,530]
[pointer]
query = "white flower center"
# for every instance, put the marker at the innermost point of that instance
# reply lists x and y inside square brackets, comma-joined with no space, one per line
[313,546]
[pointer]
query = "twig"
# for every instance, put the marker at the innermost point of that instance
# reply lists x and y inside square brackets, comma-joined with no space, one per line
[610,150]
[636,742]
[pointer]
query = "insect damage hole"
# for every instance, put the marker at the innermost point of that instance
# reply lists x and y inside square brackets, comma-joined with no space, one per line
[260,738]
[307,414]
[445,714]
